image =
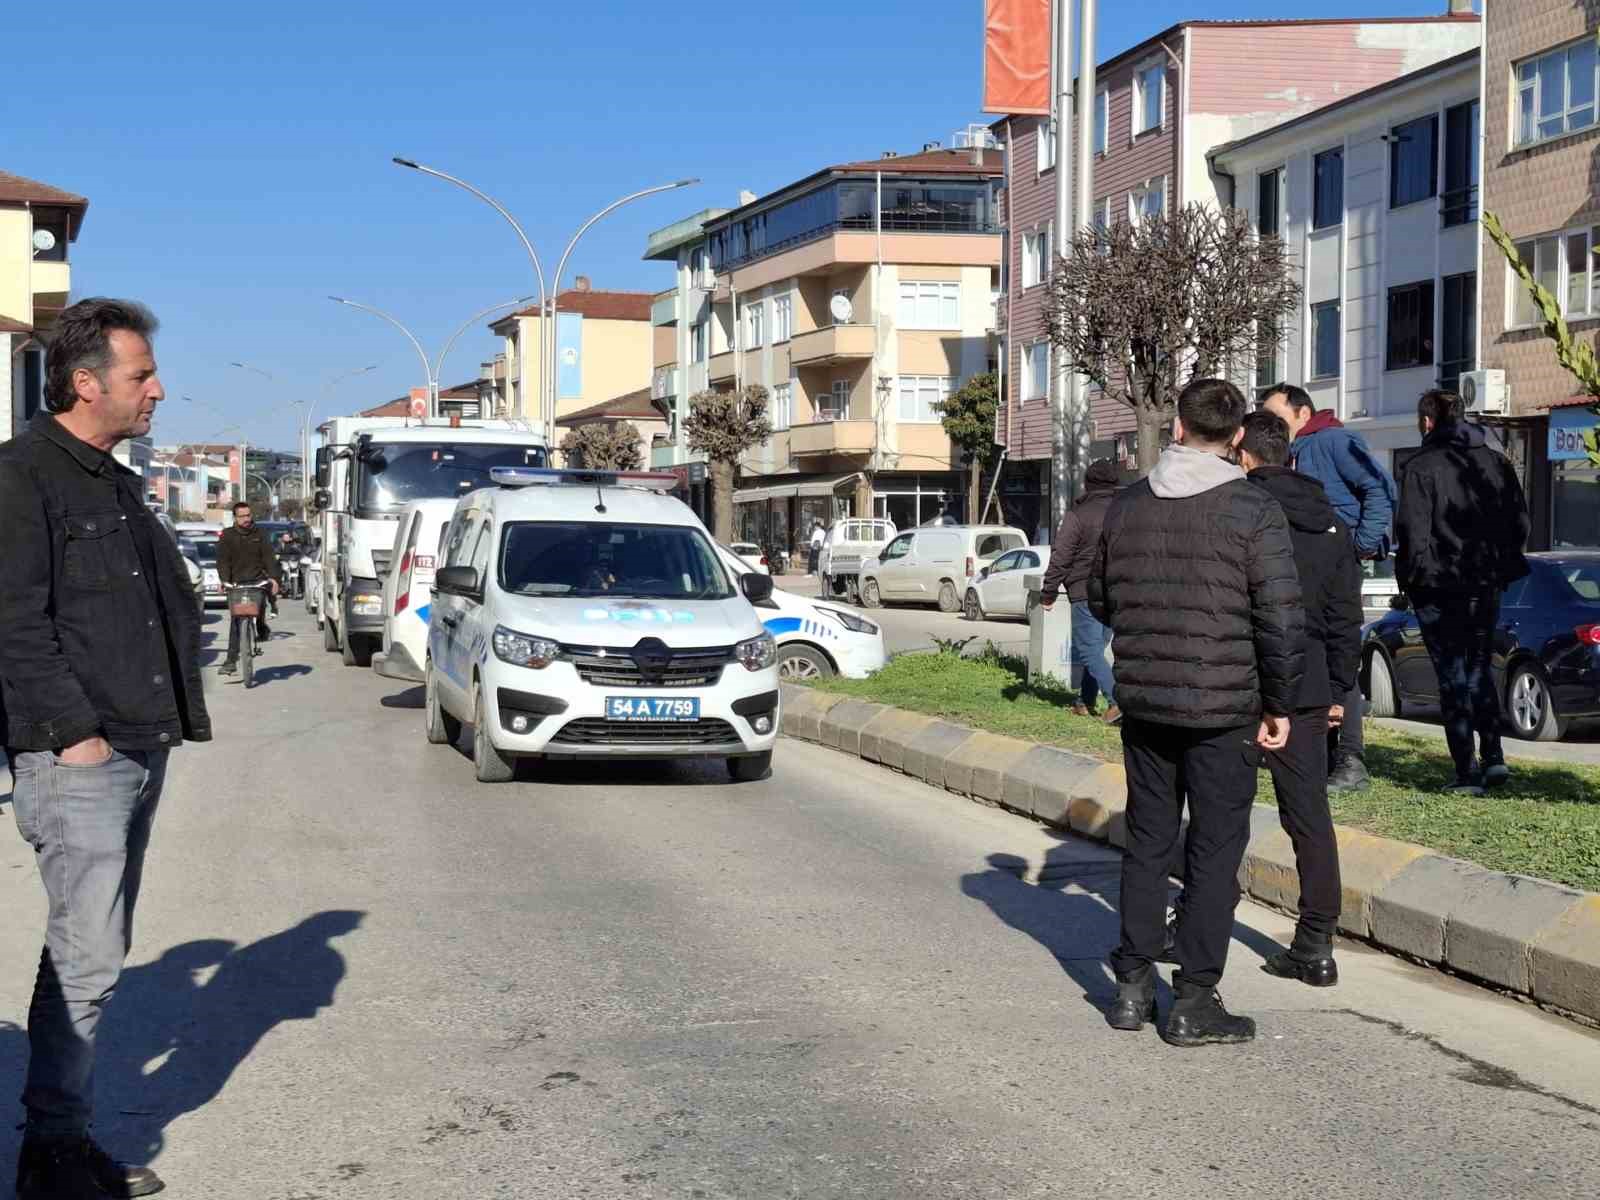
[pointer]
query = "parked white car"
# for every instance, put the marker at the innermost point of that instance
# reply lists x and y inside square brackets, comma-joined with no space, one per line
[816,639]
[203,551]
[1000,588]
[585,614]
[752,556]
[408,588]
[935,564]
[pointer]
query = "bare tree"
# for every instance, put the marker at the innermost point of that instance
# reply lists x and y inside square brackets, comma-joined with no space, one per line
[603,446]
[723,426]
[1142,309]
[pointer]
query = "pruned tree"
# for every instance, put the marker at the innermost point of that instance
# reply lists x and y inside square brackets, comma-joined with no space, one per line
[1142,309]
[1578,358]
[603,446]
[723,426]
[968,418]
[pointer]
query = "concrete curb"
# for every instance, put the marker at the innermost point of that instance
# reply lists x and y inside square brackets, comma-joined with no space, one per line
[1527,936]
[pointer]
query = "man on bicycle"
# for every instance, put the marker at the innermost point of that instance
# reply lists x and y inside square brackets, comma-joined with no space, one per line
[245,556]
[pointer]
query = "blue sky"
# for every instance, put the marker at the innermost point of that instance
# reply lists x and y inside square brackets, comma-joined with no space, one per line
[237,162]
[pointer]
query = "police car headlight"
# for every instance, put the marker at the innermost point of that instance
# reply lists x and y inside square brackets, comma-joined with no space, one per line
[521,650]
[849,620]
[758,653]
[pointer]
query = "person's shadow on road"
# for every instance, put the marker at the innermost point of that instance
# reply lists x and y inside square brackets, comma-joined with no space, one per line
[178,1027]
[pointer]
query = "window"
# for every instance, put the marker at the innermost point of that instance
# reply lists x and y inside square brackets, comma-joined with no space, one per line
[782,318]
[1328,204]
[918,395]
[1414,161]
[697,342]
[1325,340]
[1036,371]
[408,471]
[700,267]
[755,316]
[1410,326]
[1269,338]
[835,405]
[899,548]
[1458,350]
[930,305]
[1045,150]
[1269,202]
[1036,259]
[1575,293]
[1148,201]
[1149,98]
[1459,204]
[1556,93]
[1102,121]
[782,406]
[1565,266]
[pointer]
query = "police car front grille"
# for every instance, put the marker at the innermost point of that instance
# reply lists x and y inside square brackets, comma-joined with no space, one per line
[613,668]
[597,731]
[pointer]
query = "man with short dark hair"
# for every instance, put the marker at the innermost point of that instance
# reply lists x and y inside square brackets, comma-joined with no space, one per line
[1462,528]
[1363,498]
[1195,575]
[1330,588]
[99,663]
[245,556]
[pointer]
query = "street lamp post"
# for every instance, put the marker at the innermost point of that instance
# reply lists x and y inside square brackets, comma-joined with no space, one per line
[305,428]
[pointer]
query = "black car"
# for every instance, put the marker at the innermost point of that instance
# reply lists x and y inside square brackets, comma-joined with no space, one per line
[1546,654]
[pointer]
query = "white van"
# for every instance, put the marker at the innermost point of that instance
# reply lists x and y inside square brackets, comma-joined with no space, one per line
[935,564]
[408,588]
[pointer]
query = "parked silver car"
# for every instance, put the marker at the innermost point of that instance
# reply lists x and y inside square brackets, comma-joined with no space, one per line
[935,564]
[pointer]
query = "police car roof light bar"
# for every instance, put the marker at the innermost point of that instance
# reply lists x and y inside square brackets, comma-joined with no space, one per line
[655,481]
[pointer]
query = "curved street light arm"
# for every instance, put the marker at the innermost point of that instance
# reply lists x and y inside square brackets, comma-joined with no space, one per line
[378,312]
[438,366]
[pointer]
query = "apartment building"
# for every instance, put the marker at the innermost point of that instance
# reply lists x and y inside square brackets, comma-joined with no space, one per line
[1541,178]
[858,297]
[1376,199]
[603,349]
[38,222]
[1158,111]
[647,414]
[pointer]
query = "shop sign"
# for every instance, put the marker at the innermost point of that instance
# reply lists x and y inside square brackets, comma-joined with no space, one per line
[1572,433]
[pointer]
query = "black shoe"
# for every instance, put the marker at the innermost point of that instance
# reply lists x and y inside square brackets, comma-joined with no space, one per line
[1308,959]
[1466,785]
[77,1169]
[1135,1004]
[228,668]
[1496,774]
[1198,1019]
[1349,774]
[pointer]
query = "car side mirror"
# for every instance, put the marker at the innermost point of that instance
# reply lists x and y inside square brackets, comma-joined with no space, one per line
[983,574]
[757,588]
[324,465]
[1400,602]
[457,581]
[322,498]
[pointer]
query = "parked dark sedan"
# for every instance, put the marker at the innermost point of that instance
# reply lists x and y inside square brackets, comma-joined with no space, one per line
[1546,655]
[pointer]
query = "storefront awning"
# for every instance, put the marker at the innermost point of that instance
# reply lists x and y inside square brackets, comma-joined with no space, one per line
[796,485]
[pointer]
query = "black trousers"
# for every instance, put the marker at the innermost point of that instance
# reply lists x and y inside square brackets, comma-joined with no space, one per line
[1216,770]
[1458,629]
[1300,779]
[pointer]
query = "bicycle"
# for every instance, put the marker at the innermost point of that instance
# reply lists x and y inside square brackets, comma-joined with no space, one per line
[244,605]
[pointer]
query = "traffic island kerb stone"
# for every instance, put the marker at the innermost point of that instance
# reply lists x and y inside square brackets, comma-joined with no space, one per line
[1566,959]
[1491,933]
[841,725]
[1044,782]
[927,753]
[1366,865]
[1099,805]
[978,766]
[1412,910]
[803,710]
[1268,872]
[884,738]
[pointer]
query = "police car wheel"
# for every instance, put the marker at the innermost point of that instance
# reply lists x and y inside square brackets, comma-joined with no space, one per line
[801,663]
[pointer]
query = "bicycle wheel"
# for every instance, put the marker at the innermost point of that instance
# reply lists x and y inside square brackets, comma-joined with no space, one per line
[247,650]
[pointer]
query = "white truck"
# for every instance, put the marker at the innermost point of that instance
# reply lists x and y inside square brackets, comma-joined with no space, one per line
[850,542]
[368,470]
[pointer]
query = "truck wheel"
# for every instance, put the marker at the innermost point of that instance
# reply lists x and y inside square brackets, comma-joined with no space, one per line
[949,601]
[750,767]
[488,764]
[356,649]
[330,636]
[869,595]
[443,729]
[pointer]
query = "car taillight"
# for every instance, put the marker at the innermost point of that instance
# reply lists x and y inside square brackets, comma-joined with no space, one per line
[971,565]
[402,595]
[1589,635]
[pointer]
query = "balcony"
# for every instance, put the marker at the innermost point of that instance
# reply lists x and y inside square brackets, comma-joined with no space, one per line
[664,382]
[1458,206]
[831,437]
[664,309]
[52,281]
[833,343]
[721,368]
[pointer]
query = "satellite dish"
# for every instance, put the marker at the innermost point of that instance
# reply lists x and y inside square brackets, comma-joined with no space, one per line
[43,240]
[843,311]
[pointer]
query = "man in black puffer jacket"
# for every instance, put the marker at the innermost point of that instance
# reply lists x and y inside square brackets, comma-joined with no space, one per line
[1195,575]
[1330,587]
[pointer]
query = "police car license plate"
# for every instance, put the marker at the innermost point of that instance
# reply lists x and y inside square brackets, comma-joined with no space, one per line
[651,708]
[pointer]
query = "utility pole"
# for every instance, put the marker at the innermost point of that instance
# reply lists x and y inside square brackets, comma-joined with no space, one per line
[1064,417]
[1088,104]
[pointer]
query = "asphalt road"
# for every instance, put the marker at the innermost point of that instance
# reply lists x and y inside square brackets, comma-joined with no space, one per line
[358,973]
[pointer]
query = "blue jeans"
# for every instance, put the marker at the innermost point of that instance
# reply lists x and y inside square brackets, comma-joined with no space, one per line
[1089,642]
[89,827]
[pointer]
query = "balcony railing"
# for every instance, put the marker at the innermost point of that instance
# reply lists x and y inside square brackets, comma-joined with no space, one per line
[892,223]
[1458,206]
[834,342]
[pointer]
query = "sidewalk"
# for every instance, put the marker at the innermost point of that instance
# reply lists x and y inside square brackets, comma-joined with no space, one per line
[1523,935]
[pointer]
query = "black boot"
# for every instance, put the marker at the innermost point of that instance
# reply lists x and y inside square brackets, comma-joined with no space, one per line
[1198,1019]
[77,1169]
[1349,774]
[1309,959]
[1136,1002]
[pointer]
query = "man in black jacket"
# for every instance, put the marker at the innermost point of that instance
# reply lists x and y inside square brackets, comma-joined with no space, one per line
[99,663]
[1071,559]
[1195,575]
[1462,528]
[244,555]
[1330,589]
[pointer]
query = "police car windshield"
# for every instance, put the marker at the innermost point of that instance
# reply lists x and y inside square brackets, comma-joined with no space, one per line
[395,473]
[619,561]
[201,550]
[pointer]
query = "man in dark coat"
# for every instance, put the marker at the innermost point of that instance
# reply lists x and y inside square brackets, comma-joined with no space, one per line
[1330,588]
[244,555]
[1462,528]
[1195,575]
[100,666]
[1071,560]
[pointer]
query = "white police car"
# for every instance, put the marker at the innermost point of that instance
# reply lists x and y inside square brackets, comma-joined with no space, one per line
[815,640]
[583,614]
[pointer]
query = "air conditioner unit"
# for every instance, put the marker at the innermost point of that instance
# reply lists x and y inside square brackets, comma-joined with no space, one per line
[1484,391]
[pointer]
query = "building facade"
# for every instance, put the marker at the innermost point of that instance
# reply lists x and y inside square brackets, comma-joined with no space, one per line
[38,223]
[1541,178]
[1158,111]
[647,414]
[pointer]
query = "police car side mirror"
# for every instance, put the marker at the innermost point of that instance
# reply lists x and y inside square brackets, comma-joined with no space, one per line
[457,581]
[756,587]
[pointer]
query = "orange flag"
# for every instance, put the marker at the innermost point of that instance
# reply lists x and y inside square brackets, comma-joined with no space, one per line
[1016,57]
